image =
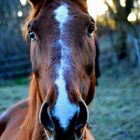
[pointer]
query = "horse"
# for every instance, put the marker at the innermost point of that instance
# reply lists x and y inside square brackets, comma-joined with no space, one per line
[62,53]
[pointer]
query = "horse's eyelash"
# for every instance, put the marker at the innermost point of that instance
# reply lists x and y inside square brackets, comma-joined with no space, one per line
[29,26]
[92,21]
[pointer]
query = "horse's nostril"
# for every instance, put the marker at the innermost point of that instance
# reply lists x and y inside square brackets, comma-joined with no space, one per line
[45,118]
[82,116]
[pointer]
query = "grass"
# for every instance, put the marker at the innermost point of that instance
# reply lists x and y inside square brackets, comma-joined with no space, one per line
[11,91]
[114,112]
[17,81]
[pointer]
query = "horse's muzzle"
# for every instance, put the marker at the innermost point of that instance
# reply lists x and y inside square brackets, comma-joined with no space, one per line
[50,123]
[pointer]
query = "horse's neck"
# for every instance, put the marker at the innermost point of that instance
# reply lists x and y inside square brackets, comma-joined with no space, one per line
[31,129]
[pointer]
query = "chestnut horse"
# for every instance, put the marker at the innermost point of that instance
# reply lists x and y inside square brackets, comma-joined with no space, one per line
[62,53]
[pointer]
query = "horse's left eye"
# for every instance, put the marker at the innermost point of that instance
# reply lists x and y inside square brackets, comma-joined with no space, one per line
[32,35]
[91,29]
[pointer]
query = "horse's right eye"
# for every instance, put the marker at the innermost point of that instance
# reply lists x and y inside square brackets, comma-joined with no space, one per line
[91,29]
[32,35]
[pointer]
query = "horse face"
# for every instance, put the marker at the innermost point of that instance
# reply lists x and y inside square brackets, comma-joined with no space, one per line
[63,57]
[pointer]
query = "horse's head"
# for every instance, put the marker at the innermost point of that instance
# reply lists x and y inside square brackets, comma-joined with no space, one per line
[63,62]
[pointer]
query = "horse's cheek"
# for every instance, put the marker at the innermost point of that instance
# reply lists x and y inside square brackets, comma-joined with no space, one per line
[34,54]
[91,91]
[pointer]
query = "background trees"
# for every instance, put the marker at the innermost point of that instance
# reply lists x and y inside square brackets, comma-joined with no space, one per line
[123,19]
[118,30]
[12,15]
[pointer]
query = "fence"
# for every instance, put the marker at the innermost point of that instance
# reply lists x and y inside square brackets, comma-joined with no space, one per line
[15,66]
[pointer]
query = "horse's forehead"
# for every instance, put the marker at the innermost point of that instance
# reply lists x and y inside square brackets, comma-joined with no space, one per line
[59,12]
[62,16]
[62,13]
[63,7]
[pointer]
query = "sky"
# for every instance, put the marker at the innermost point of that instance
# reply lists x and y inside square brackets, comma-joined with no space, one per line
[96,8]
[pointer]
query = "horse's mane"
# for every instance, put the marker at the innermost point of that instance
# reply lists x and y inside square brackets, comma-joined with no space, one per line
[30,129]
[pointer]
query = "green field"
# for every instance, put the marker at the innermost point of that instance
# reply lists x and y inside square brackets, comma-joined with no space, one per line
[115,111]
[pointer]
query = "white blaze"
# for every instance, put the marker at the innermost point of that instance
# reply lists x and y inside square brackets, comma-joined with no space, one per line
[64,110]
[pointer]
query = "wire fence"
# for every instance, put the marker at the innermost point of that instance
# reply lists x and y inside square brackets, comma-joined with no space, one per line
[15,66]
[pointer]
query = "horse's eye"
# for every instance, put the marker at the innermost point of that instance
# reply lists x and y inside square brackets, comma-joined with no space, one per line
[32,35]
[91,29]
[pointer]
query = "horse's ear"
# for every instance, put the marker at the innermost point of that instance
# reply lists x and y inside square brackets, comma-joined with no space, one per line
[82,3]
[34,2]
